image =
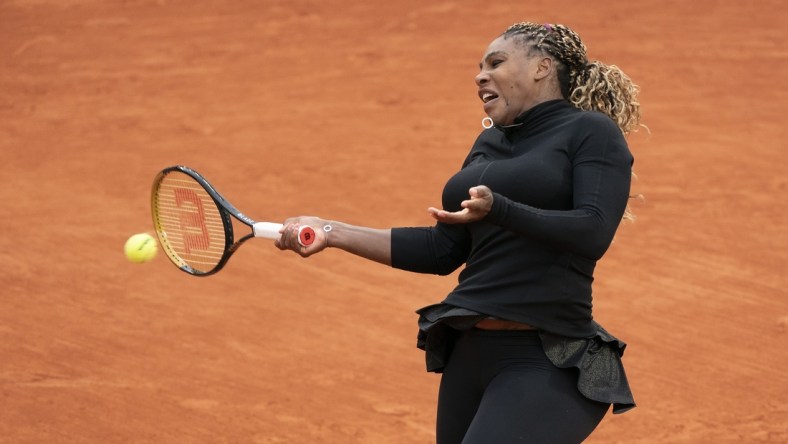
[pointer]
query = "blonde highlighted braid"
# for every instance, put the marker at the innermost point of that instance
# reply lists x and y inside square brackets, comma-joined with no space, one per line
[587,85]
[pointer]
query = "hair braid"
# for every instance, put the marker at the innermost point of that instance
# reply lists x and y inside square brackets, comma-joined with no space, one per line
[587,85]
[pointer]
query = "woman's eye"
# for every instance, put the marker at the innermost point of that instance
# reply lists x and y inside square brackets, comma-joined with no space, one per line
[495,63]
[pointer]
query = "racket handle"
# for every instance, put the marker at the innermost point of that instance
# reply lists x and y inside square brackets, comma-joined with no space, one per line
[270,230]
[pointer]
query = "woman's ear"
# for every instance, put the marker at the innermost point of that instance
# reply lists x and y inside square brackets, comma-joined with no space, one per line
[543,68]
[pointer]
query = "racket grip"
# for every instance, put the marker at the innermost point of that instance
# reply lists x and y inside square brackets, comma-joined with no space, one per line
[270,230]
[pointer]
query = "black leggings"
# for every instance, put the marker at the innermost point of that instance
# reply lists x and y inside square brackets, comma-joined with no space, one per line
[499,387]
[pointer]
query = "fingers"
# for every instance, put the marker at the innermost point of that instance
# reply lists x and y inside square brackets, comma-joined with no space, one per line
[481,200]
[444,216]
[481,193]
[477,192]
[289,236]
[473,209]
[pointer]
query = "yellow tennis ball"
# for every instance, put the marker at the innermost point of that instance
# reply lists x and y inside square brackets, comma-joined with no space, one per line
[140,248]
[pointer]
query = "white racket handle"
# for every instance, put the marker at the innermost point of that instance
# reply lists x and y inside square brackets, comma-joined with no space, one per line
[270,230]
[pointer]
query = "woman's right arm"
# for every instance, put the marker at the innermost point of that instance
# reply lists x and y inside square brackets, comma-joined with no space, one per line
[435,250]
[369,243]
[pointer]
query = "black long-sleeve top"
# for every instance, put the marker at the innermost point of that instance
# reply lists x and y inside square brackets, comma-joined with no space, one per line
[560,179]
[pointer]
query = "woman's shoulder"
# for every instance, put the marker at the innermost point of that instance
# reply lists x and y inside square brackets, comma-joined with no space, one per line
[594,119]
[597,126]
[596,132]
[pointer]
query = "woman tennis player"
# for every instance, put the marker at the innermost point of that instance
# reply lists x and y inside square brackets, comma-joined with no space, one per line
[535,205]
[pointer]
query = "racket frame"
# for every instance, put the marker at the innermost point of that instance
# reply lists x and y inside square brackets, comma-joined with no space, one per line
[226,210]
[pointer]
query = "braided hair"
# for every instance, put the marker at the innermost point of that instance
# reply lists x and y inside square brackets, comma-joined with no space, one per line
[587,85]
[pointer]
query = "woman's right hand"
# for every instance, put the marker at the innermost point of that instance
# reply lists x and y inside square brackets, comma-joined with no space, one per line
[288,240]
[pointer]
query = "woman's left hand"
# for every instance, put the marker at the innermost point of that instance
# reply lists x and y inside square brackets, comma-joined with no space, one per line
[474,209]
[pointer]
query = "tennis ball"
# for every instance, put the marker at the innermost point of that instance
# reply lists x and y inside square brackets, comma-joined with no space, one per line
[140,248]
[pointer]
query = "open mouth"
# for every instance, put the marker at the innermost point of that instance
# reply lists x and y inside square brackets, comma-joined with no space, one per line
[487,97]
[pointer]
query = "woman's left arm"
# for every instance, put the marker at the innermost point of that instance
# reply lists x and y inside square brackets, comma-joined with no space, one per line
[601,175]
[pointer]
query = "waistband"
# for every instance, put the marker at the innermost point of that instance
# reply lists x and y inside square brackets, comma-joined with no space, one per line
[502,324]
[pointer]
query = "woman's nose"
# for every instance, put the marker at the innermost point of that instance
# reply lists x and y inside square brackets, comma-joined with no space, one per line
[482,78]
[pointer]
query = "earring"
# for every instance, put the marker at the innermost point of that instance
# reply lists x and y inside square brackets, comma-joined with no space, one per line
[487,123]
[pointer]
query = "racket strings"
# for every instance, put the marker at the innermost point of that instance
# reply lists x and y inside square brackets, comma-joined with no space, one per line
[188,222]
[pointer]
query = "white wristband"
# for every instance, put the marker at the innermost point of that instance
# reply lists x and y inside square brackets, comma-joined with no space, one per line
[327,229]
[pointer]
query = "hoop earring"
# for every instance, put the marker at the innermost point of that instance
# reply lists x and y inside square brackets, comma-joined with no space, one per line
[487,123]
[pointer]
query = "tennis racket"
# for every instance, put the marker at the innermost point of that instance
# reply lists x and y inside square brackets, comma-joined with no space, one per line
[194,223]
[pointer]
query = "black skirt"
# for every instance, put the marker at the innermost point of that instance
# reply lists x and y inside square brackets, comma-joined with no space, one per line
[601,375]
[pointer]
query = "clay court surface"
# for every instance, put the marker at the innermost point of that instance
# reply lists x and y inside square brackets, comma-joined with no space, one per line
[359,111]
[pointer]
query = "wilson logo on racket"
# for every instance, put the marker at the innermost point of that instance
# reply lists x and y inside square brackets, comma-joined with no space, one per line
[192,220]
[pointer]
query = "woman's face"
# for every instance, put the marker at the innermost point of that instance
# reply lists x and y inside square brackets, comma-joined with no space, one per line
[507,80]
